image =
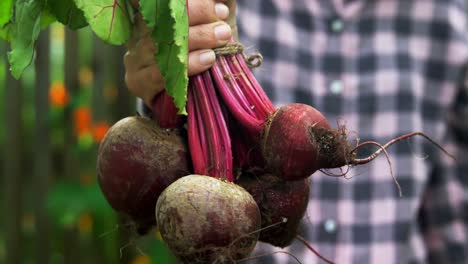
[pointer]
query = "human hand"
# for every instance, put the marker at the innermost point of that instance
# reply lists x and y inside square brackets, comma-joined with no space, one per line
[208,28]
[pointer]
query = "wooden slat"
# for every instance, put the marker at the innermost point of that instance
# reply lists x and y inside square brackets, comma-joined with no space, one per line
[12,168]
[100,65]
[42,154]
[71,165]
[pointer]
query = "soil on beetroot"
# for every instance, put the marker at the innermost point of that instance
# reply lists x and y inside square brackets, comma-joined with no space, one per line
[206,220]
[137,160]
[278,200]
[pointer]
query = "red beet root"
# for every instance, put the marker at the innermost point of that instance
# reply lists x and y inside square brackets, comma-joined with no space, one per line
[278,200]
[207,220]
[137,160]
[298,140]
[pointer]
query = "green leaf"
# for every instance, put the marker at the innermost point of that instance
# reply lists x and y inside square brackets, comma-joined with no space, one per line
[169,23]
[5,32]
[6,11]
[24,33]
[67,13]
[47,18]
[109,19]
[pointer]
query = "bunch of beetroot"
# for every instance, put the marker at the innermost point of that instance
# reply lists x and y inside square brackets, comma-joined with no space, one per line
[233,172]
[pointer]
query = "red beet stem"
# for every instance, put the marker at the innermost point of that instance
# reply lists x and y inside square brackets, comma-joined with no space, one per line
[233,82]
[241,93]
[208,133]
[266,102]
[235,107]
[254,101]
[195,139]
[224,149]
[165,111]
[206,111]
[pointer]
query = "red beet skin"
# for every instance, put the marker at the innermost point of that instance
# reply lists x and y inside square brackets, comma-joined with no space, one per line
[206,220]
[278,199]
[137,160]
[288,147]
[298,140]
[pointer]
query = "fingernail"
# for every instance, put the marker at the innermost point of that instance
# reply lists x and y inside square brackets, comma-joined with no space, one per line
[222,32]
[207,57]
[221,11]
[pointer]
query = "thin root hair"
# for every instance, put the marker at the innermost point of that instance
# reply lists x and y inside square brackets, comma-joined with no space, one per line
[304,241]
[383,148]
[115,229]
[395,140]
[269,254]
[343,174]
[131,243]
[373,156]
[420,156]
[283,220]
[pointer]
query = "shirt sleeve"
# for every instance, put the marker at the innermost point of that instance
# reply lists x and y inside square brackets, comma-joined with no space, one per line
[444,211]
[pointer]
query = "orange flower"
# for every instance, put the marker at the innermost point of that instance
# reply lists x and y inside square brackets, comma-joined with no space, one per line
[82,120]
[86,179]
[141,260]
[58,95]
[85,223]
[100,130]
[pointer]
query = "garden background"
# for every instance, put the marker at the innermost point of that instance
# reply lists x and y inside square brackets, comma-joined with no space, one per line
[52,121]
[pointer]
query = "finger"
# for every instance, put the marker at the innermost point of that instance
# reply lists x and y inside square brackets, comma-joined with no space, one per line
[144,52]
[141,55]
[145,83]
[130,62]
[139,31]
[206,11]
[221,11]
[209,35]
[200,61]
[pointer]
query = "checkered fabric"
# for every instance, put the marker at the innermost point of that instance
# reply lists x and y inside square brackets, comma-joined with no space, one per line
[383,68]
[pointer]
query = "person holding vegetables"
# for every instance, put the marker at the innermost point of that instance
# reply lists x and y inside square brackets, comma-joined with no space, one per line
[385,68]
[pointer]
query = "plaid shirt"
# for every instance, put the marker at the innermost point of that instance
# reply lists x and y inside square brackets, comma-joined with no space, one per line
[386,68]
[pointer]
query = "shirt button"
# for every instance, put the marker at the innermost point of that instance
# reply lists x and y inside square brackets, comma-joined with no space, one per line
[336,87]
[337,25]
[330,226]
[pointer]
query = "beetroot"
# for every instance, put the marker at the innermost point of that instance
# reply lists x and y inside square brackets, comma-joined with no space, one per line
[278,200]
[206,220]
[295,140]
[137,160]
[298,140]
